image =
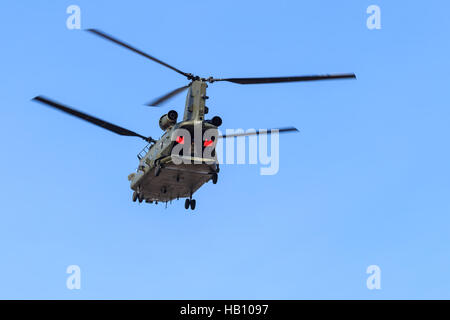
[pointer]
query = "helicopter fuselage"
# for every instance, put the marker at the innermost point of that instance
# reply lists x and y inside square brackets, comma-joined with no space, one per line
[162,174]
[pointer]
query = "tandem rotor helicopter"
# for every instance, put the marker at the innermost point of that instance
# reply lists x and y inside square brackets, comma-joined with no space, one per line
[159,176]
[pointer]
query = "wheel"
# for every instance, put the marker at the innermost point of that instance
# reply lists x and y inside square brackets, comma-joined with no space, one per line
[135,196]
[186,204]
[215,177]
[192,204]
[140,198]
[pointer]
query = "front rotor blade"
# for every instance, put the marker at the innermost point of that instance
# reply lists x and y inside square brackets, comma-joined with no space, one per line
[288,79]
[125,45]
[257,132]
[99,122]
[166,97]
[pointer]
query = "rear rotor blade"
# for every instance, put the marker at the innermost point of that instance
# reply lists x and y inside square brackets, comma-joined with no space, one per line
[288,79]
[99,122]
[257,132]
[166,97]
[125,45]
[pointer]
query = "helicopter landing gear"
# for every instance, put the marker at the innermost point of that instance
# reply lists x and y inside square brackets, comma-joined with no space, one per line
[189,203]
[137,196]
[214,178]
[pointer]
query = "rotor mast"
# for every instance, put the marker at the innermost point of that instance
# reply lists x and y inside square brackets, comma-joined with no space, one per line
[195,101]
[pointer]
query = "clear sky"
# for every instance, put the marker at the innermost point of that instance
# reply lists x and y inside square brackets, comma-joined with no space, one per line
[365,182]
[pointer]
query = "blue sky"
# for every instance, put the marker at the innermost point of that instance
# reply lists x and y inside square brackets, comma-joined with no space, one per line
[367,180]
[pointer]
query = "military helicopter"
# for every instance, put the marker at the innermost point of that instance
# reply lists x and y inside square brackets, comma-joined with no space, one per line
[163,175]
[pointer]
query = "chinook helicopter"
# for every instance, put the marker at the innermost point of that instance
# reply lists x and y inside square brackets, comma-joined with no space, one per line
[162,174]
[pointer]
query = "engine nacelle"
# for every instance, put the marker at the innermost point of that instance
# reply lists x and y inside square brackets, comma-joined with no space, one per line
[168,120]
